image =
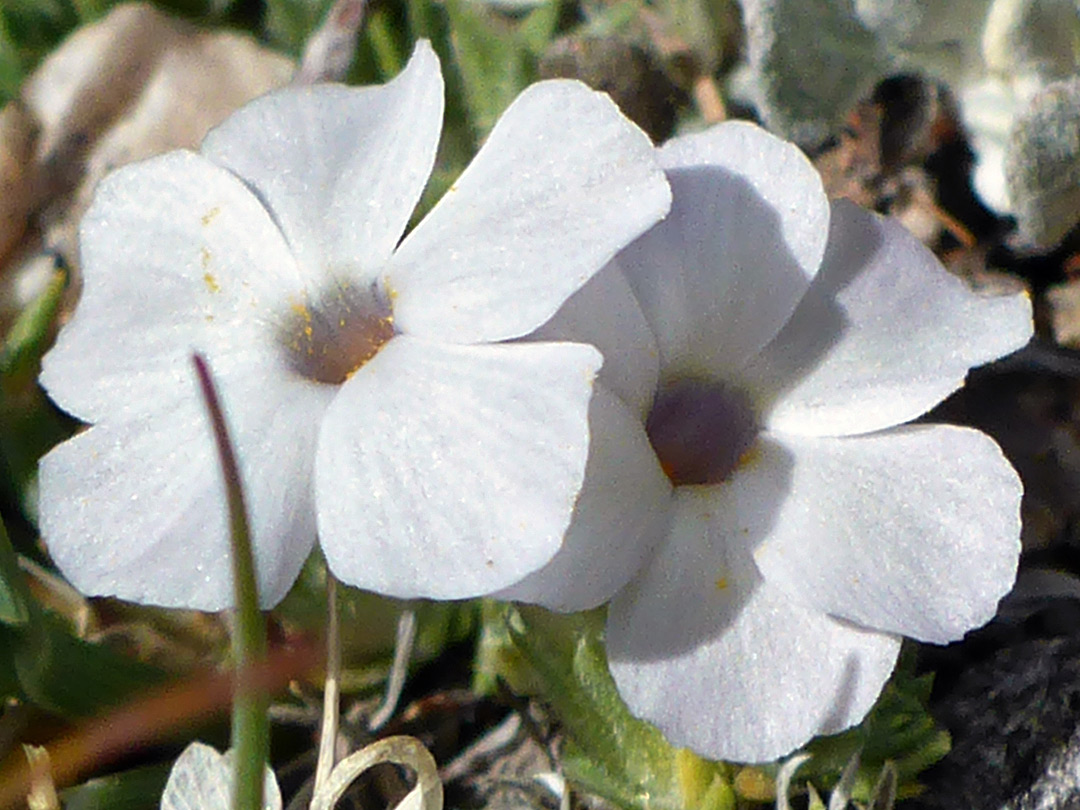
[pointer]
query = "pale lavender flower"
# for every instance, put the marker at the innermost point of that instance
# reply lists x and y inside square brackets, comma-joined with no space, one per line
[764,348]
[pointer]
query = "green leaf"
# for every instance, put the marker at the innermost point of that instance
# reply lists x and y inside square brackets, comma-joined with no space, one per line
[28,337]
[47,656]
[426,22]
[386,50]
[29,29]
[289,23]
[898,730]
[1042,164]
[29,426]
[11,67]
[137,789]
[368,625]
[250,725]
[538,29]
[40,656]
[608,751]
[14,596]
[809,61]
[495,62]
[627,761]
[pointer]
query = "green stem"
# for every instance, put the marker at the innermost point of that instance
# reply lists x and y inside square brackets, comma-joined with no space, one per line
[250,724]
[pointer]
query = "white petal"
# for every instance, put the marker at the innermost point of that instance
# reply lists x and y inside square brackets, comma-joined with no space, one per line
[883,335]
[605,314]
[778,171]
[137,509]
[563,182]
[451,471]
[722,274]
[621,514]
[341,168]
[177,255]
[913,531]
[202,779]
[721,661]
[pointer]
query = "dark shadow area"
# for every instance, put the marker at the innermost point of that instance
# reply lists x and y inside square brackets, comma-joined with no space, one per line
[840,709]
[699,582]
[819,321]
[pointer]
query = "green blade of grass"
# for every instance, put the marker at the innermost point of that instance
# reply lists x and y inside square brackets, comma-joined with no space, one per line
[250,725]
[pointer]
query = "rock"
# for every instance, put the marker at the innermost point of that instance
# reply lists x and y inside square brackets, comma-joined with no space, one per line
[1015,722]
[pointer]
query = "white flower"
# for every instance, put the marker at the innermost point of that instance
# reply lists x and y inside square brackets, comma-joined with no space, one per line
[804,528]
[368,387]
[202,779]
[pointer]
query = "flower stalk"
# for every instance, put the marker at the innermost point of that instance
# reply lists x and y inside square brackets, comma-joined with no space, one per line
[328,735]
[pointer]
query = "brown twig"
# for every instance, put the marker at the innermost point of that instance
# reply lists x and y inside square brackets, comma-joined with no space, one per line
[332,47]
[150,718]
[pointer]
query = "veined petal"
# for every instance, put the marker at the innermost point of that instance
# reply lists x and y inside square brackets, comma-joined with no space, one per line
[776,169]
[913,531]
[177,256]
[722,274]
[563,182]
[883,335]
[451,471]
[605,314]
[203,779]
[620,516]
[341,168]
[136,508]
[701,635]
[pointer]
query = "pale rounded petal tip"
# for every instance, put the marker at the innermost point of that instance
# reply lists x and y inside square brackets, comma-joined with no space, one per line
[450,472]
[203,779]
[137,509]
[779,172]
[177,255]
[914,531]
[342,168]
[721,275]
[562,183]
[882,335]
[720,660]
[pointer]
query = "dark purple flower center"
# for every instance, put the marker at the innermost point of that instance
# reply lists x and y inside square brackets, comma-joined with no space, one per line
[700,430]
[330,338]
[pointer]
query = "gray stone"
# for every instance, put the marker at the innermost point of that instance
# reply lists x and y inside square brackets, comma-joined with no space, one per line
[1015,721]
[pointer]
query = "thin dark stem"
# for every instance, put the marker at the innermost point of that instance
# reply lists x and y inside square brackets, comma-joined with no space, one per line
[250,724]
